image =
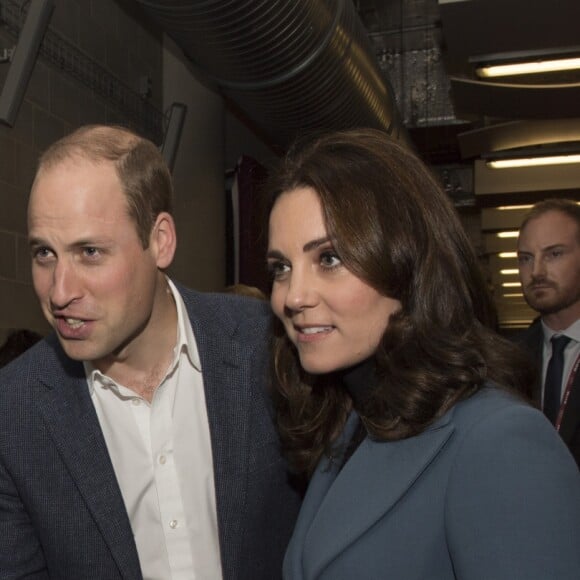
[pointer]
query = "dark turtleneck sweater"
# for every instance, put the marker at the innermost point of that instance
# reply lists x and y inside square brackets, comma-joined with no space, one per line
[359,381]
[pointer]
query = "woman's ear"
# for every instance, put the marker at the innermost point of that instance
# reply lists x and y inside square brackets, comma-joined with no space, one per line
[164,239]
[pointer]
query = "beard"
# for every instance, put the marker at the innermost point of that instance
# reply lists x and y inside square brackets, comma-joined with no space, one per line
[551,298]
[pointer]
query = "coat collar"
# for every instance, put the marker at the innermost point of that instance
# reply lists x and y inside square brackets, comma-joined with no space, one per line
[332,515]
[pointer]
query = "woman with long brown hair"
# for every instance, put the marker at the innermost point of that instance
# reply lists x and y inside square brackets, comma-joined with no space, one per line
[395,396]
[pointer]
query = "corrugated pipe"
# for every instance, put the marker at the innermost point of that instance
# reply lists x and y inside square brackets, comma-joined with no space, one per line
[292,66]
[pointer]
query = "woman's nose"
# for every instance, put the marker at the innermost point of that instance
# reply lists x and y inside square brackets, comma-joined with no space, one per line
[302,292]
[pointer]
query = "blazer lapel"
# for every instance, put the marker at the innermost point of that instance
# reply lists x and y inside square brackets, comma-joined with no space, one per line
[228,381]
[535,345]
[370,483]
[71,421]
[571,418]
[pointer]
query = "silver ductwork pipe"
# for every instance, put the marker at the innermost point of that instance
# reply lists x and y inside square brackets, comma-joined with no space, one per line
[291,66]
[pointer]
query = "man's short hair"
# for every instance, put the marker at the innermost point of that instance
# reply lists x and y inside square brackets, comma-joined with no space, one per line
[141,169]
[566,206]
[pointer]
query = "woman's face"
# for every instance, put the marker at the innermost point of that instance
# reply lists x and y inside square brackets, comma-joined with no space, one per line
[334,319]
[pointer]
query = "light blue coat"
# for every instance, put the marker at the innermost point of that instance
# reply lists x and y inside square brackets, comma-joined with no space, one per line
[489,492]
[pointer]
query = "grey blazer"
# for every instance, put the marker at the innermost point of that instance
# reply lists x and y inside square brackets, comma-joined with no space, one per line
[61,511]
[489,492]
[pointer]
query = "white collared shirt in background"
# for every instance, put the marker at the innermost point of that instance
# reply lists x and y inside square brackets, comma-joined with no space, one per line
[162,457]
[571,352]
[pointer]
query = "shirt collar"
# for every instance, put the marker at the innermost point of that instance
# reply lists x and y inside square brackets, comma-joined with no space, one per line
[185,338]
[185,343]
[573,331]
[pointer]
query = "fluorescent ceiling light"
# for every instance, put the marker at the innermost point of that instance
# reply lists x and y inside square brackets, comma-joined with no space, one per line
[515,323]
[509,271]
[512,284]
[528,68]
[513,295]
[506,207]
[511,234]
[508,254]
[533,161]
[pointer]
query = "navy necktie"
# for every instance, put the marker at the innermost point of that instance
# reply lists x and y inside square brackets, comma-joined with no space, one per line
[553,384]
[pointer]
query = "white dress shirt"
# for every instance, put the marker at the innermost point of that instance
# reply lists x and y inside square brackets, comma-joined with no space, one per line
[162,457]
[571,352]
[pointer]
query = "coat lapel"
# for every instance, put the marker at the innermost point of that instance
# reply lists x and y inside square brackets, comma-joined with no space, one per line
[372,481]
[318,487]
[71,421]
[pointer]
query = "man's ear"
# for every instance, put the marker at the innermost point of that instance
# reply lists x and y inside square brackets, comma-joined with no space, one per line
[164,239]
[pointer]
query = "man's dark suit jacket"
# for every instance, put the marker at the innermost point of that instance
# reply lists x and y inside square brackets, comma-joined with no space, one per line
[532,341]
[61,511]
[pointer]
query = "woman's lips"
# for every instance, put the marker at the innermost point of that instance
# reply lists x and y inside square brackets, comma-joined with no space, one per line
[312,333]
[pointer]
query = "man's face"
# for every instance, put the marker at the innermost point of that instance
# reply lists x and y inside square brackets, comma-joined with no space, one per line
[96,284]
[549,262]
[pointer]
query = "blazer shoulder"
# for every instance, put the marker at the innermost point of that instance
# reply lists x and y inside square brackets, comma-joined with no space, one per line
[530,337]
[31,362]
[45,362]
[229,310]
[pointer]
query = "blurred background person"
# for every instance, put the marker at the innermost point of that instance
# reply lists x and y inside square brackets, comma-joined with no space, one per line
[549,268]
[17,341]
[245,290]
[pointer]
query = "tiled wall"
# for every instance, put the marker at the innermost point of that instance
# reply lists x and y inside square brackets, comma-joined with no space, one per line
[116,39]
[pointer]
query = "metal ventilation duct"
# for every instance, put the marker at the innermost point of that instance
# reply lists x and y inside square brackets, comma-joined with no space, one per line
[291,66]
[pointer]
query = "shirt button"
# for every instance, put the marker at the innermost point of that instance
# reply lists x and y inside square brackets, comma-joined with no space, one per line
[136,402]
[173,524]
[162,459]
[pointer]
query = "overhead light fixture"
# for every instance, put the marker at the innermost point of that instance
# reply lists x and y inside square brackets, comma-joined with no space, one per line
[528,68]
[509,271]
[516,323]
[533,161]
[513,295]
[506,207]
[508,255]
[508,234]
[511,284]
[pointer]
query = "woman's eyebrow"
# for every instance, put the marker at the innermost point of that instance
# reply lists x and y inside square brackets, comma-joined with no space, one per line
[309,246]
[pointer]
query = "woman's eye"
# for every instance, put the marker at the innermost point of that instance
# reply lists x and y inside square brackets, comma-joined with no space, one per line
[330,260]
[277,270]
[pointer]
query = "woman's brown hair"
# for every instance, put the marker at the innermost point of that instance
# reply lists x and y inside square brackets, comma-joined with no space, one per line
[394,228]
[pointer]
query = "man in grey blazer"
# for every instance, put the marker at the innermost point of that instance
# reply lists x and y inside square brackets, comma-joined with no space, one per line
[136,441]
[549,264]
